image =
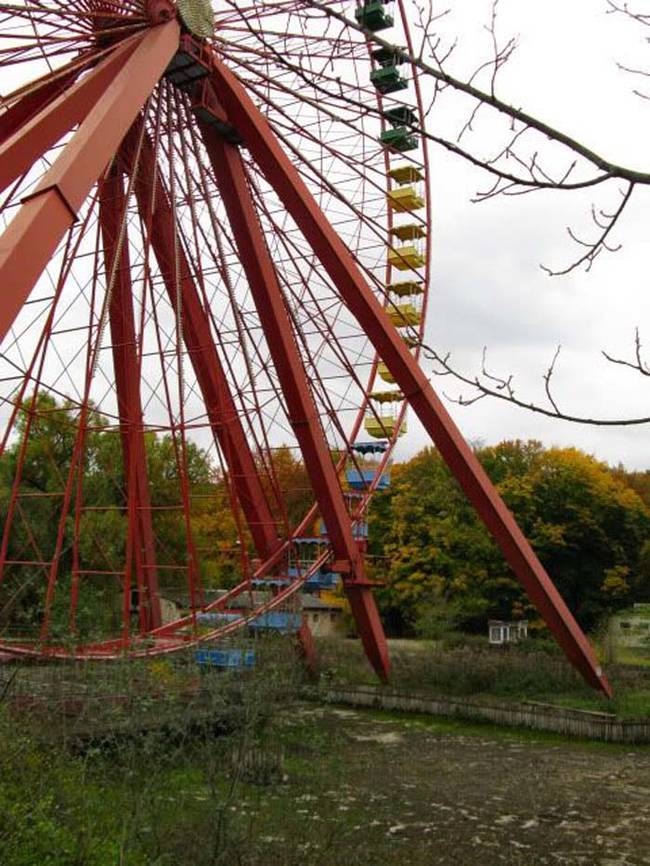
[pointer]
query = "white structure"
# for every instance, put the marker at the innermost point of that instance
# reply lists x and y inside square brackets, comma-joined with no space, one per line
[501,632]
[631,627]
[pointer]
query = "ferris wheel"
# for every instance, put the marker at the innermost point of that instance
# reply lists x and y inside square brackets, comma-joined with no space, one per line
[217,238]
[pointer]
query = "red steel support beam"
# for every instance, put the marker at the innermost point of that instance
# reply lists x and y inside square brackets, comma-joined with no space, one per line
[156,213]
[35,137]
[28,106]
[358,297]
[112,213]
[276,323]
[34,233]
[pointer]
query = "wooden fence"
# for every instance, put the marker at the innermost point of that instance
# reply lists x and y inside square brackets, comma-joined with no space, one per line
[527,714]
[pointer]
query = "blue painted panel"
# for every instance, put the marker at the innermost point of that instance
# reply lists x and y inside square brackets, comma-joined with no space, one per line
[322,580]
[361,479]
[273,581]
[277,620]
[216,617]
[225,658]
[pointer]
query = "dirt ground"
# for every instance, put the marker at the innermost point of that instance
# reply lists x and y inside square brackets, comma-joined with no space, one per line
[368,788]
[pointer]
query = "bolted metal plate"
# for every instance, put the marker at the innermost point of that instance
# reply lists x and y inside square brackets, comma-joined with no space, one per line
[197,16]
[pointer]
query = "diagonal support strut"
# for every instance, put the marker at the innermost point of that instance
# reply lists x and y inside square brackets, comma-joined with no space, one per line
[358,297]
[211,377]
[39,132]
[31,238]
[156,213]
[271,306]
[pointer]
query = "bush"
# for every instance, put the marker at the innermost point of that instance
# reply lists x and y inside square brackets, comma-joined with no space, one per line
[153,779]
[462,665]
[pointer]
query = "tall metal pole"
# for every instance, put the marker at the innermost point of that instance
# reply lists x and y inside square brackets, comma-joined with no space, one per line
[40,131]
[157,217]
[156,213]
[31,238]
[112,214]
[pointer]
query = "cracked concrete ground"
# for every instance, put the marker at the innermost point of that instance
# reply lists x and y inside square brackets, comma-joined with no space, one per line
[392,789]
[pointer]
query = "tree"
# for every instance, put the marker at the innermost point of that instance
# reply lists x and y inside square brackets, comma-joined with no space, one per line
[291,492]
[100,507]
[586,524]
[216,530]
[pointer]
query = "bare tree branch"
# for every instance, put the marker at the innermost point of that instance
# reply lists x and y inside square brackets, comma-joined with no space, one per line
[502,388]
[596,247]
[624,9]
[610,169]
[639,365]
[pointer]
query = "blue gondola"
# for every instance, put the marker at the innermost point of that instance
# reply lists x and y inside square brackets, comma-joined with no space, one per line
[361,479]
[224,659]
[277,620]
[276,580]
[321,580]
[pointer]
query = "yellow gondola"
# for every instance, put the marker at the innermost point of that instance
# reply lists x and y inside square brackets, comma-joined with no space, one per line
[404,199]
[409,232]
[406,174]
[384,373]
[402,315]
[405,258]
[387,396]
[383,427]
[405,288]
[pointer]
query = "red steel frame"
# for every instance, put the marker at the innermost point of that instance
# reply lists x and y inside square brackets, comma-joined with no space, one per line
[112,217]
[266,291]
[156,213]
[358,297]
[31,104]
[31,238]
[53,206]
[33,138]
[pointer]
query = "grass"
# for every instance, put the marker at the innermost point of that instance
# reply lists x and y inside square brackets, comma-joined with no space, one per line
[359,788]
[532,671]
[139,765]
[347,797]
[632,657]
[187,794]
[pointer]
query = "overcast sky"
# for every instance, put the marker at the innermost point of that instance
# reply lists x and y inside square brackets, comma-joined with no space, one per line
[488,288]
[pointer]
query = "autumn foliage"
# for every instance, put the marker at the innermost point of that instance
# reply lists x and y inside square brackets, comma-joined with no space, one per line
[589,524]
[441,568]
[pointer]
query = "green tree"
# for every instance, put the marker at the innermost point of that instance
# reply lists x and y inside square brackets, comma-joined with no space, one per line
[45,455]
[586,524]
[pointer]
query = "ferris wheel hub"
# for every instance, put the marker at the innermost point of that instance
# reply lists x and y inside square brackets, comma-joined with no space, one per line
[197,16]
[160,11]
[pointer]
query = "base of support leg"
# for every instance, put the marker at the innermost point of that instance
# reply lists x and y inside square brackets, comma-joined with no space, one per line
[371,631]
